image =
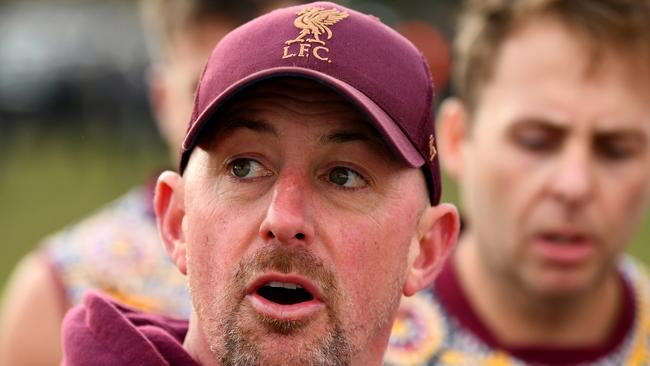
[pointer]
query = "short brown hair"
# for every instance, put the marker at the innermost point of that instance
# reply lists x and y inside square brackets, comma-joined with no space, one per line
[621,25]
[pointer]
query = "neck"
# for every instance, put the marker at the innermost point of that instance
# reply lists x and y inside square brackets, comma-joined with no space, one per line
[373,352]
[529,318]
[196,345]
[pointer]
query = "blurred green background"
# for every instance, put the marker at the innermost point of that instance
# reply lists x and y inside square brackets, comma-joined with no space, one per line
[48,181]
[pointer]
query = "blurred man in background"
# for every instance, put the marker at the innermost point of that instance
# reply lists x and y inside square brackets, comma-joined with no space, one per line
[117,249]
[549,140]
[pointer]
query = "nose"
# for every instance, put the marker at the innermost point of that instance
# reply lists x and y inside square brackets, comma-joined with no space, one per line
[573,181]
[288,219]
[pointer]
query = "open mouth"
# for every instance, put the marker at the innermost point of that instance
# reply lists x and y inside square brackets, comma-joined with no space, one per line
[564,248]
[285,297]
[564,239]
[284,293]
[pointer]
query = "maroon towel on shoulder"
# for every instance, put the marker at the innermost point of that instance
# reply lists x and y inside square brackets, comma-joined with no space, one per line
[102,332]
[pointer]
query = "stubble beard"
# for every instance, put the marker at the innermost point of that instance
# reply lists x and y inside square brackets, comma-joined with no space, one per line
[233,341]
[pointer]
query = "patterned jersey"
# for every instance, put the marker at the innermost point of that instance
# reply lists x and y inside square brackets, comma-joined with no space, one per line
[426,332]
[118,251]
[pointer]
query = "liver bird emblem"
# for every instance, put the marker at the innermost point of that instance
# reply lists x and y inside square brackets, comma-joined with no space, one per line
[316,21]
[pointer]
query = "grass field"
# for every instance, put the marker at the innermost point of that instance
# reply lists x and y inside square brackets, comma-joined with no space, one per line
[49,181]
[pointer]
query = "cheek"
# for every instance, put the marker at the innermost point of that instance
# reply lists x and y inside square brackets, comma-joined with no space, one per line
[203,251]
[372,239]
[216,237]
[500,177]
[372,254]
[371,267]
[623,202]
[486,185]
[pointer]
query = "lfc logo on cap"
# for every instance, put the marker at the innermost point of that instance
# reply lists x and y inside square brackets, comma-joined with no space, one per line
[313,23]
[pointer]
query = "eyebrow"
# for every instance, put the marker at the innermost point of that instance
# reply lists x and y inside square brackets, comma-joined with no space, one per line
[538,122]
[549,123]
[616,133]
[625,134]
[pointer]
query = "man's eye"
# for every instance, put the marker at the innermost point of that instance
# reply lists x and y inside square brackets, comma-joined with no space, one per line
[247,169]
[347,178]
[616,150]
[536,139]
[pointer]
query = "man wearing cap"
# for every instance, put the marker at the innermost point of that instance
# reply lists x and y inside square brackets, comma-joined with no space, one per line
[307,202]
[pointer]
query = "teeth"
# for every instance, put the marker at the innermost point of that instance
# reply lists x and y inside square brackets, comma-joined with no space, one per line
[290,286]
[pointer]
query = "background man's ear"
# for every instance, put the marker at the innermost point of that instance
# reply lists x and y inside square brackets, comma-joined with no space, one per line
[169,206]
[453,129]
[436,237]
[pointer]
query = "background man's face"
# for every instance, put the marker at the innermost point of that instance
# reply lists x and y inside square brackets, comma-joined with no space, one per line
[298,222]
[557,162]
[176,78]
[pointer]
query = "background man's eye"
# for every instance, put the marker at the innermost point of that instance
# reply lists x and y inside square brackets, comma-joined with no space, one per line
[536,140]
[614,151]
[537,143]
[619,147]
[346,178]
[247,168]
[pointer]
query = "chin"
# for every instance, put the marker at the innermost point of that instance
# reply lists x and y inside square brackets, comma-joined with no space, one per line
[250,340]
[566,284]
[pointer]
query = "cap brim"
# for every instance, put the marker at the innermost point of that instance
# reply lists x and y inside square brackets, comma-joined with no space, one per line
[394,136]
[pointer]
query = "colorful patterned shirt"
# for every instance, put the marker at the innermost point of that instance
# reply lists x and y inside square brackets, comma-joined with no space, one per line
[439,327]
[118,251]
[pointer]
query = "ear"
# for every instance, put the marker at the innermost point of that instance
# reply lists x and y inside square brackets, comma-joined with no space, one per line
[169,206]
[436,237]
[453,129]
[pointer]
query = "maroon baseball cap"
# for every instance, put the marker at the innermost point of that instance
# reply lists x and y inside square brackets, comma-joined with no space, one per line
[365,61]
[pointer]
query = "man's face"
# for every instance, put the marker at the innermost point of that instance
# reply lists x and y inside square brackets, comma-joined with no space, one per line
[298,223]
[556,163]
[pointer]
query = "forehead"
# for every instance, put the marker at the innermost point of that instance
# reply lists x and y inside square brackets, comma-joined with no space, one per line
[545,68]
[194,42]
[546,41]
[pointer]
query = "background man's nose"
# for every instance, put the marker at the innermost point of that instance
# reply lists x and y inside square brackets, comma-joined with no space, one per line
[573,180]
